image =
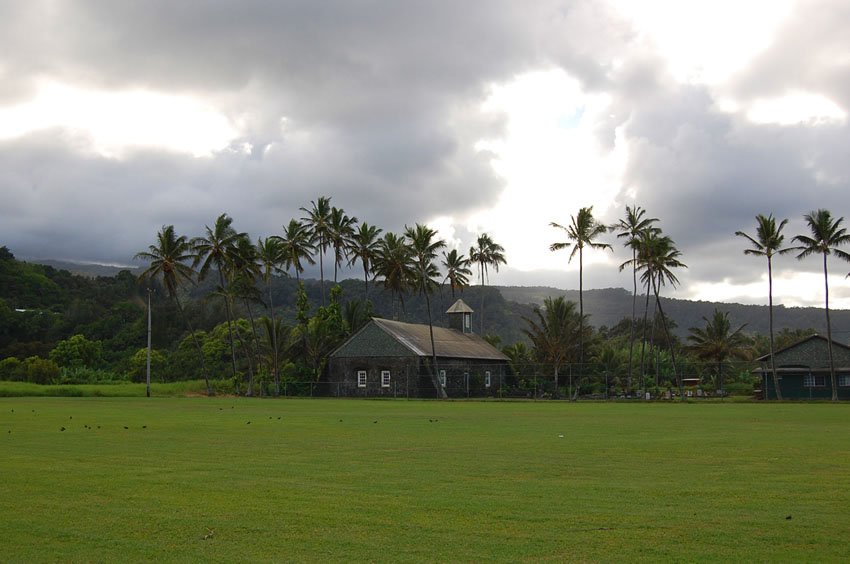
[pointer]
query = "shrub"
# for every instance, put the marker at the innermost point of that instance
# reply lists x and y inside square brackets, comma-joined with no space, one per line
[77,352]
[12,369]
[41,371]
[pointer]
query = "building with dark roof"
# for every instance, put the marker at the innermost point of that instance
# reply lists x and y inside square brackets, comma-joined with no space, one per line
[394,359]
[803,370]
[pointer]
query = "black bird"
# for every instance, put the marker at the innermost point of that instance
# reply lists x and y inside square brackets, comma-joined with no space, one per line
[126,427]
[278,418]
[788,518]
[144,426]
[61,428]
[248,423]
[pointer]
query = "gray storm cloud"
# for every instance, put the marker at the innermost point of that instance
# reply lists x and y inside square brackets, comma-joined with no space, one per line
[378,106]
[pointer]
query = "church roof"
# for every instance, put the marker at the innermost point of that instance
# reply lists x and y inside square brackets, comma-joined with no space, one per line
[448,342]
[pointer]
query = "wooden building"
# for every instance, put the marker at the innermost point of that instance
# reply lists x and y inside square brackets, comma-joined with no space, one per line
[803,370]
[394,359]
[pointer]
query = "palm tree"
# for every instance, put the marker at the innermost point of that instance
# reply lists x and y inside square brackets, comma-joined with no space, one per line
[581,232]
[168,260]
[246,271]
[717,342]
[767,242]
[457,270]
[424,244]
[365,246]
[270,255]
[295,247]
[553,334]
[488,253]
[340,236]
[394,263]
[631,228]
[318,225]
[657,258]
[827,236]
[216,250]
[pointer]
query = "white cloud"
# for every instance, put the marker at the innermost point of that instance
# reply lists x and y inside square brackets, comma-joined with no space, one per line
[797,108]
[118,121]
[552,163]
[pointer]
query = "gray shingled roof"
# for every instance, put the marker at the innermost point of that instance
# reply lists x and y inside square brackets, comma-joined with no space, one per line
[448,342]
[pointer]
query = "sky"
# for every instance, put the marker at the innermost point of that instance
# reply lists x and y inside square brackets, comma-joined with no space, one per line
[118,117]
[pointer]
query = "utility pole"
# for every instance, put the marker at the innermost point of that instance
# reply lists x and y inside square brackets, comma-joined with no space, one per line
[148,380]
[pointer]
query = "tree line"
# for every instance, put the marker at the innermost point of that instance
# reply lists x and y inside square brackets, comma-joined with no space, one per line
[222,287]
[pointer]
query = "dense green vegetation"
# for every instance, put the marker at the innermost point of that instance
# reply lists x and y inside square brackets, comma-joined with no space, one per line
[224,309]
[228,479]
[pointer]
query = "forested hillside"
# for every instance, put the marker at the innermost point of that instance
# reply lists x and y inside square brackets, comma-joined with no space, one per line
[608,306]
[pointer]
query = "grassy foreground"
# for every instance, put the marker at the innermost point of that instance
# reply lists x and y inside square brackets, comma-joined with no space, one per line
[229,479]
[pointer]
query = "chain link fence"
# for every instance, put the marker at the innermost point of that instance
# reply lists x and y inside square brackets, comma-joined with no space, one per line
[536,381]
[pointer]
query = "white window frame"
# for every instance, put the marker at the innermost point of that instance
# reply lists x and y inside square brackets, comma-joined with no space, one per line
[844,380]
[486,378]
[811,381]
[385,378]
[442,378]
[361,378]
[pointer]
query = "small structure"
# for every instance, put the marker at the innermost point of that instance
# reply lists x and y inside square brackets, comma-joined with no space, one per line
[394,359]
[803,370]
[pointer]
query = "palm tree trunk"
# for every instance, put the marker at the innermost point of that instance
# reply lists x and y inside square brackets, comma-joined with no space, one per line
[580,311]
[643,340]
[481,270]
[832,379]
[434,375]
[322,268]
[197,345]
[670,344]
[247,351]
[634,313]
[776,386]
[229,313]
[275,362]
[256,345]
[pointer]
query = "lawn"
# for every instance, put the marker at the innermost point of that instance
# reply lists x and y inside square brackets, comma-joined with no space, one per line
[228,479]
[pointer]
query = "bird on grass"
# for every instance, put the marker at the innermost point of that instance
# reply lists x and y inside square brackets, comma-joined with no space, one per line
[61,429]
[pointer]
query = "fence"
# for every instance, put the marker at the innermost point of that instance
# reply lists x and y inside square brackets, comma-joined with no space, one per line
[536,381]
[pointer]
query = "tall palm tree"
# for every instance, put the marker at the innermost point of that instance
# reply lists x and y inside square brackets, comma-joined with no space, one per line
[425,245]
[630,228]
[394,263]
[457,270]
[826,236]
[365,246]
[215,250]
[317,222]
[487,253]
[766,243]
[296,246]
[553,334]
[246,271]
[582,232]
[340,236]
[658,257]
[168,260]
[717,342]
[270,255]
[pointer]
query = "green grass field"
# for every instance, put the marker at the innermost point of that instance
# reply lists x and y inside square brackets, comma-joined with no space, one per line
[338,480]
